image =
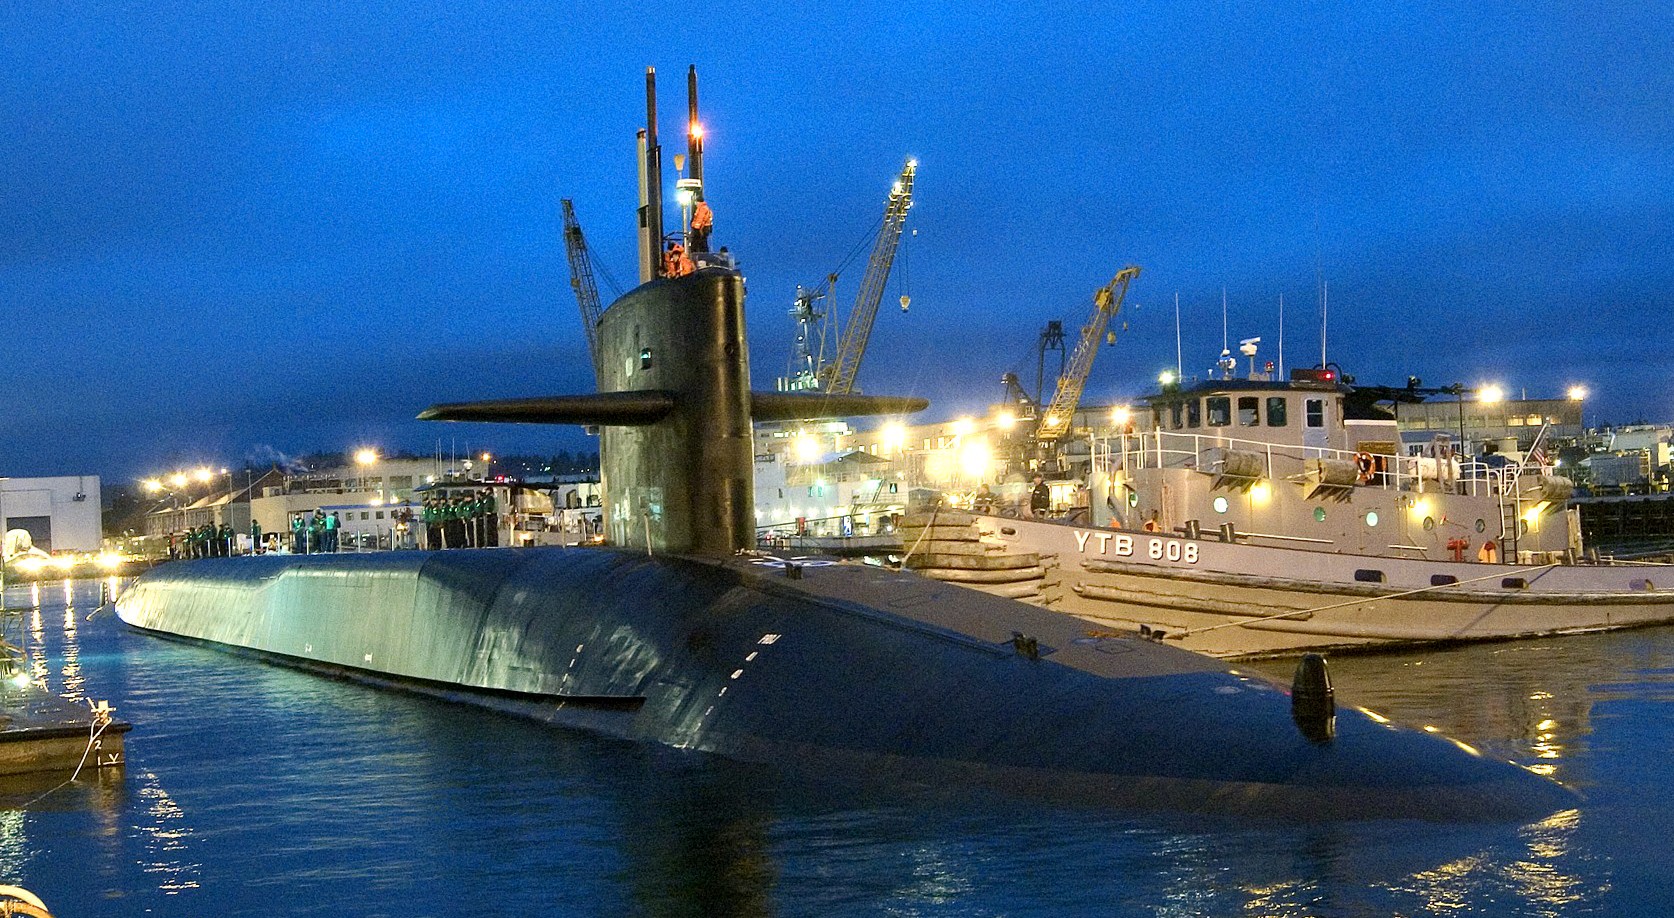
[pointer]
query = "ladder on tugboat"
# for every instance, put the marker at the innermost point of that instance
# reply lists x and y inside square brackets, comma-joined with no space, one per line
[1511,516]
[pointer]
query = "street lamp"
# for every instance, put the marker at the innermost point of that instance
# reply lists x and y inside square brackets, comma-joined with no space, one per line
[367,458]
[894,437]
[173,484]
[1577,393]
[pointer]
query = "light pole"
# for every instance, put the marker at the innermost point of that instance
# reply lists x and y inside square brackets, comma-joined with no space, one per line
[157,486]
[1457,390]
[367,459]
[1491,395]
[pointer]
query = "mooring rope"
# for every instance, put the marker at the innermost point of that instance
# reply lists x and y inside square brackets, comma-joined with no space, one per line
[934,511]
[96,729]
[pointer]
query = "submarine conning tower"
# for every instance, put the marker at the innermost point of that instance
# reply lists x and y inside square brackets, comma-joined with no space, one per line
[674,406]
[683,483]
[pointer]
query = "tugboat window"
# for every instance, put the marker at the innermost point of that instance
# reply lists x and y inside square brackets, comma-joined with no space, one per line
[1174,415]
[1276,411]
[1194,414]
[1249,411]
[1220,410]
[645,358]
[1220,505]
[1319,514]
[1316,412]
[1371,517]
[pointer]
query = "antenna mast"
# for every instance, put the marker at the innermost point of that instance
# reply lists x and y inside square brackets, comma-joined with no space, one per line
[1324,312]
[1179,362]
[650,187]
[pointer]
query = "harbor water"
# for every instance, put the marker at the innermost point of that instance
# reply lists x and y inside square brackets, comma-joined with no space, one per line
[256,790]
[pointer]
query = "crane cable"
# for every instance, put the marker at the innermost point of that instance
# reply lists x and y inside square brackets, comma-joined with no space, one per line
[866,240]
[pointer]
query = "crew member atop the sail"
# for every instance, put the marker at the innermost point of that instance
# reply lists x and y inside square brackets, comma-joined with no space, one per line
[675,261]
[703,220]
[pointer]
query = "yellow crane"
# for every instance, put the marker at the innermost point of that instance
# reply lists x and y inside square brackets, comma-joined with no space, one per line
[1055,420]
[581,281]
[838,376]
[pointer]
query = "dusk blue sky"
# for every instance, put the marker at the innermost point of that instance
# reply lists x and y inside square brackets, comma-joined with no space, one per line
[233,228]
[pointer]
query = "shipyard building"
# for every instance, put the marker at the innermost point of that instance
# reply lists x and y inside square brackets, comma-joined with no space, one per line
[60,514]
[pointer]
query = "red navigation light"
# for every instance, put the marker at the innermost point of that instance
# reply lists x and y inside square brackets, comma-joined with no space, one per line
[1315,375]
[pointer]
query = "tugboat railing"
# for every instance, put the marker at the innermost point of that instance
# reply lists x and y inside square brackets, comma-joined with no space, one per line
[1161,449]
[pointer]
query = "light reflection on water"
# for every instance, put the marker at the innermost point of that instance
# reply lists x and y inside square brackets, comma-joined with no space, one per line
[166,837]
[250,785]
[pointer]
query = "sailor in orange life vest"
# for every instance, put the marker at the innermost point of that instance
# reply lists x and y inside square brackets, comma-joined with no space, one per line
[703,220]
[675,261]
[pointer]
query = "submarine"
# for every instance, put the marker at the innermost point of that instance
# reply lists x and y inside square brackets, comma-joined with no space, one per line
[677,633]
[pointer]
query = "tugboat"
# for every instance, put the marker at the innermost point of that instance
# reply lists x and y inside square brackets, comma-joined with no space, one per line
[678,634]
[1251,517]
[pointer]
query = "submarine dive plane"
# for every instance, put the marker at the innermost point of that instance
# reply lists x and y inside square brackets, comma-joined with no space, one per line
[676,633]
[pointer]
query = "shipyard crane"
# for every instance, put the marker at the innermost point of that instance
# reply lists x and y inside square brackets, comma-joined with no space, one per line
[581,281]
[838,376]
[1107,301]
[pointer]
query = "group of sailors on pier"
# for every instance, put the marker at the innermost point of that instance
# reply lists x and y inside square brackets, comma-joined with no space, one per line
[311,535]
[206,541]
[462,521]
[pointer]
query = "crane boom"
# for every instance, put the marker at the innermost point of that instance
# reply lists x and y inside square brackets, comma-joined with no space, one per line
[1107,301]
[581,281]
[840,373]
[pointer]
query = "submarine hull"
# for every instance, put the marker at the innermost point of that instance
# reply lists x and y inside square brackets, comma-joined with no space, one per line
[843,670]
